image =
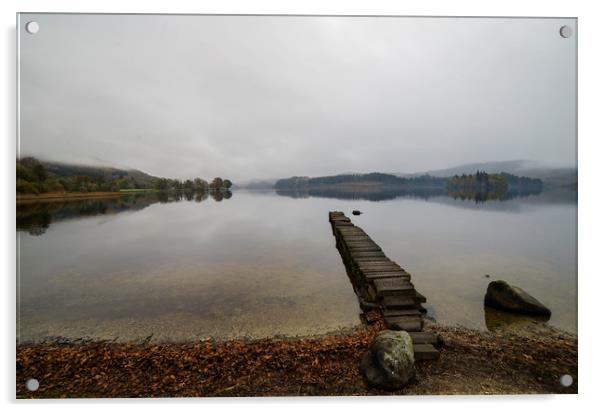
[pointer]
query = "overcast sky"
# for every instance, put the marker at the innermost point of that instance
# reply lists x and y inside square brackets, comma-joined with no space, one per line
[263,97]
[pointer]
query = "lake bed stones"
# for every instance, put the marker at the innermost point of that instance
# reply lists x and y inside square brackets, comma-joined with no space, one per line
[389,363]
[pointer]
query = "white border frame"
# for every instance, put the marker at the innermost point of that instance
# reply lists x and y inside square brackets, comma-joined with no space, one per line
[590,67]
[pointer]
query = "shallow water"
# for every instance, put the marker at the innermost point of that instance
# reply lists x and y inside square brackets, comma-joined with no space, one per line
[261,264]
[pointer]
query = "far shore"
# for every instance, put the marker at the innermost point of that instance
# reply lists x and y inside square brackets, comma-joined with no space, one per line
[526,361]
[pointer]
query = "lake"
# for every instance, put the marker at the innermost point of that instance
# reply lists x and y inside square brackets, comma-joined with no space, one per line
[261,263]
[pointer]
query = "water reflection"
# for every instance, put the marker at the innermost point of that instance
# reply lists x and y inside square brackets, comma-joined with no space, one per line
[35,218]
[496,319]
[264,264]
[419,193]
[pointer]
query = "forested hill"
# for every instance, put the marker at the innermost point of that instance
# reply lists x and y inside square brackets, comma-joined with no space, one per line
[69,170]
[375,180]
[480,181]
[36,177]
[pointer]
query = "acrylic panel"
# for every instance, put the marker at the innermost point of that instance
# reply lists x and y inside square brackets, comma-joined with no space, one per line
[249,205]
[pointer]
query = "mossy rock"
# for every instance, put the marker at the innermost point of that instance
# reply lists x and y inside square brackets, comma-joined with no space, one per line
[504,296]
[389,363]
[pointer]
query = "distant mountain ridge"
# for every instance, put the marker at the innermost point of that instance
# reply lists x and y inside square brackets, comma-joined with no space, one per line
[508,166]
[551,176]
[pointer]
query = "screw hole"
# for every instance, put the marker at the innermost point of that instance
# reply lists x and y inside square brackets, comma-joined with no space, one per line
[32,384]
[566,380]
[32,27]
[566,31]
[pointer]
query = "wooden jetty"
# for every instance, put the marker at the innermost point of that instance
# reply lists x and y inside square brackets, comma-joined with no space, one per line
[382,284]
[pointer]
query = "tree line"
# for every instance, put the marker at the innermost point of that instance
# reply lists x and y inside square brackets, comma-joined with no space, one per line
[34,178]
[479,186]
[484,186]
[195,185]
[382,179]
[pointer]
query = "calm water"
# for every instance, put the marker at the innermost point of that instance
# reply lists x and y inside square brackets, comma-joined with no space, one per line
[261,263]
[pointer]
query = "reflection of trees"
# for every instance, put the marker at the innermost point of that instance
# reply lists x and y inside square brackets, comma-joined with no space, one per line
[36,224]
[163,196]
[377,195]
[364,194]
[200,196]
[35,218]
[219,195]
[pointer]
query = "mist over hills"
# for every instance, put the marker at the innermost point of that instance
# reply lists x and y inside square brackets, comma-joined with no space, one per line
[508,166]
[551,176]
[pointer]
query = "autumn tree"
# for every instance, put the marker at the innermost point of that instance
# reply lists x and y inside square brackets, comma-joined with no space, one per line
[216,183]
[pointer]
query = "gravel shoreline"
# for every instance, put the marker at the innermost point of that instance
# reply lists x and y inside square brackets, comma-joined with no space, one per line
[512,361]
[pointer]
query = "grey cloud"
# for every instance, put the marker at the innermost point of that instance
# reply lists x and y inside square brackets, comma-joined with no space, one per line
[243,97]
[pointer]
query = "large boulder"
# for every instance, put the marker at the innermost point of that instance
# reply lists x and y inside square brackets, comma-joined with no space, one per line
[389,363]
[508,297]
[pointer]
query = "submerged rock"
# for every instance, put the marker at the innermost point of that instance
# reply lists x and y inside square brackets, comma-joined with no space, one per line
[499,319]
[504,296]
[389,363]
[356,212]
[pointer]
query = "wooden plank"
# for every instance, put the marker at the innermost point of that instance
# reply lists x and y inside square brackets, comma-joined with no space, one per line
[353,229]
[416,317]
[382,262]
[382,275]
[356,252]
[385,285]
[373,260]
[364,248]
[420,297]
[355,238]
[409,325]
[401,312]
[375,269]
[385,262]
[398,302]
[425,351]
[367,254]
[376,266]
[349,231]
[423,337]
[369,258]
[395,292]
[360,242]
[381,269]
